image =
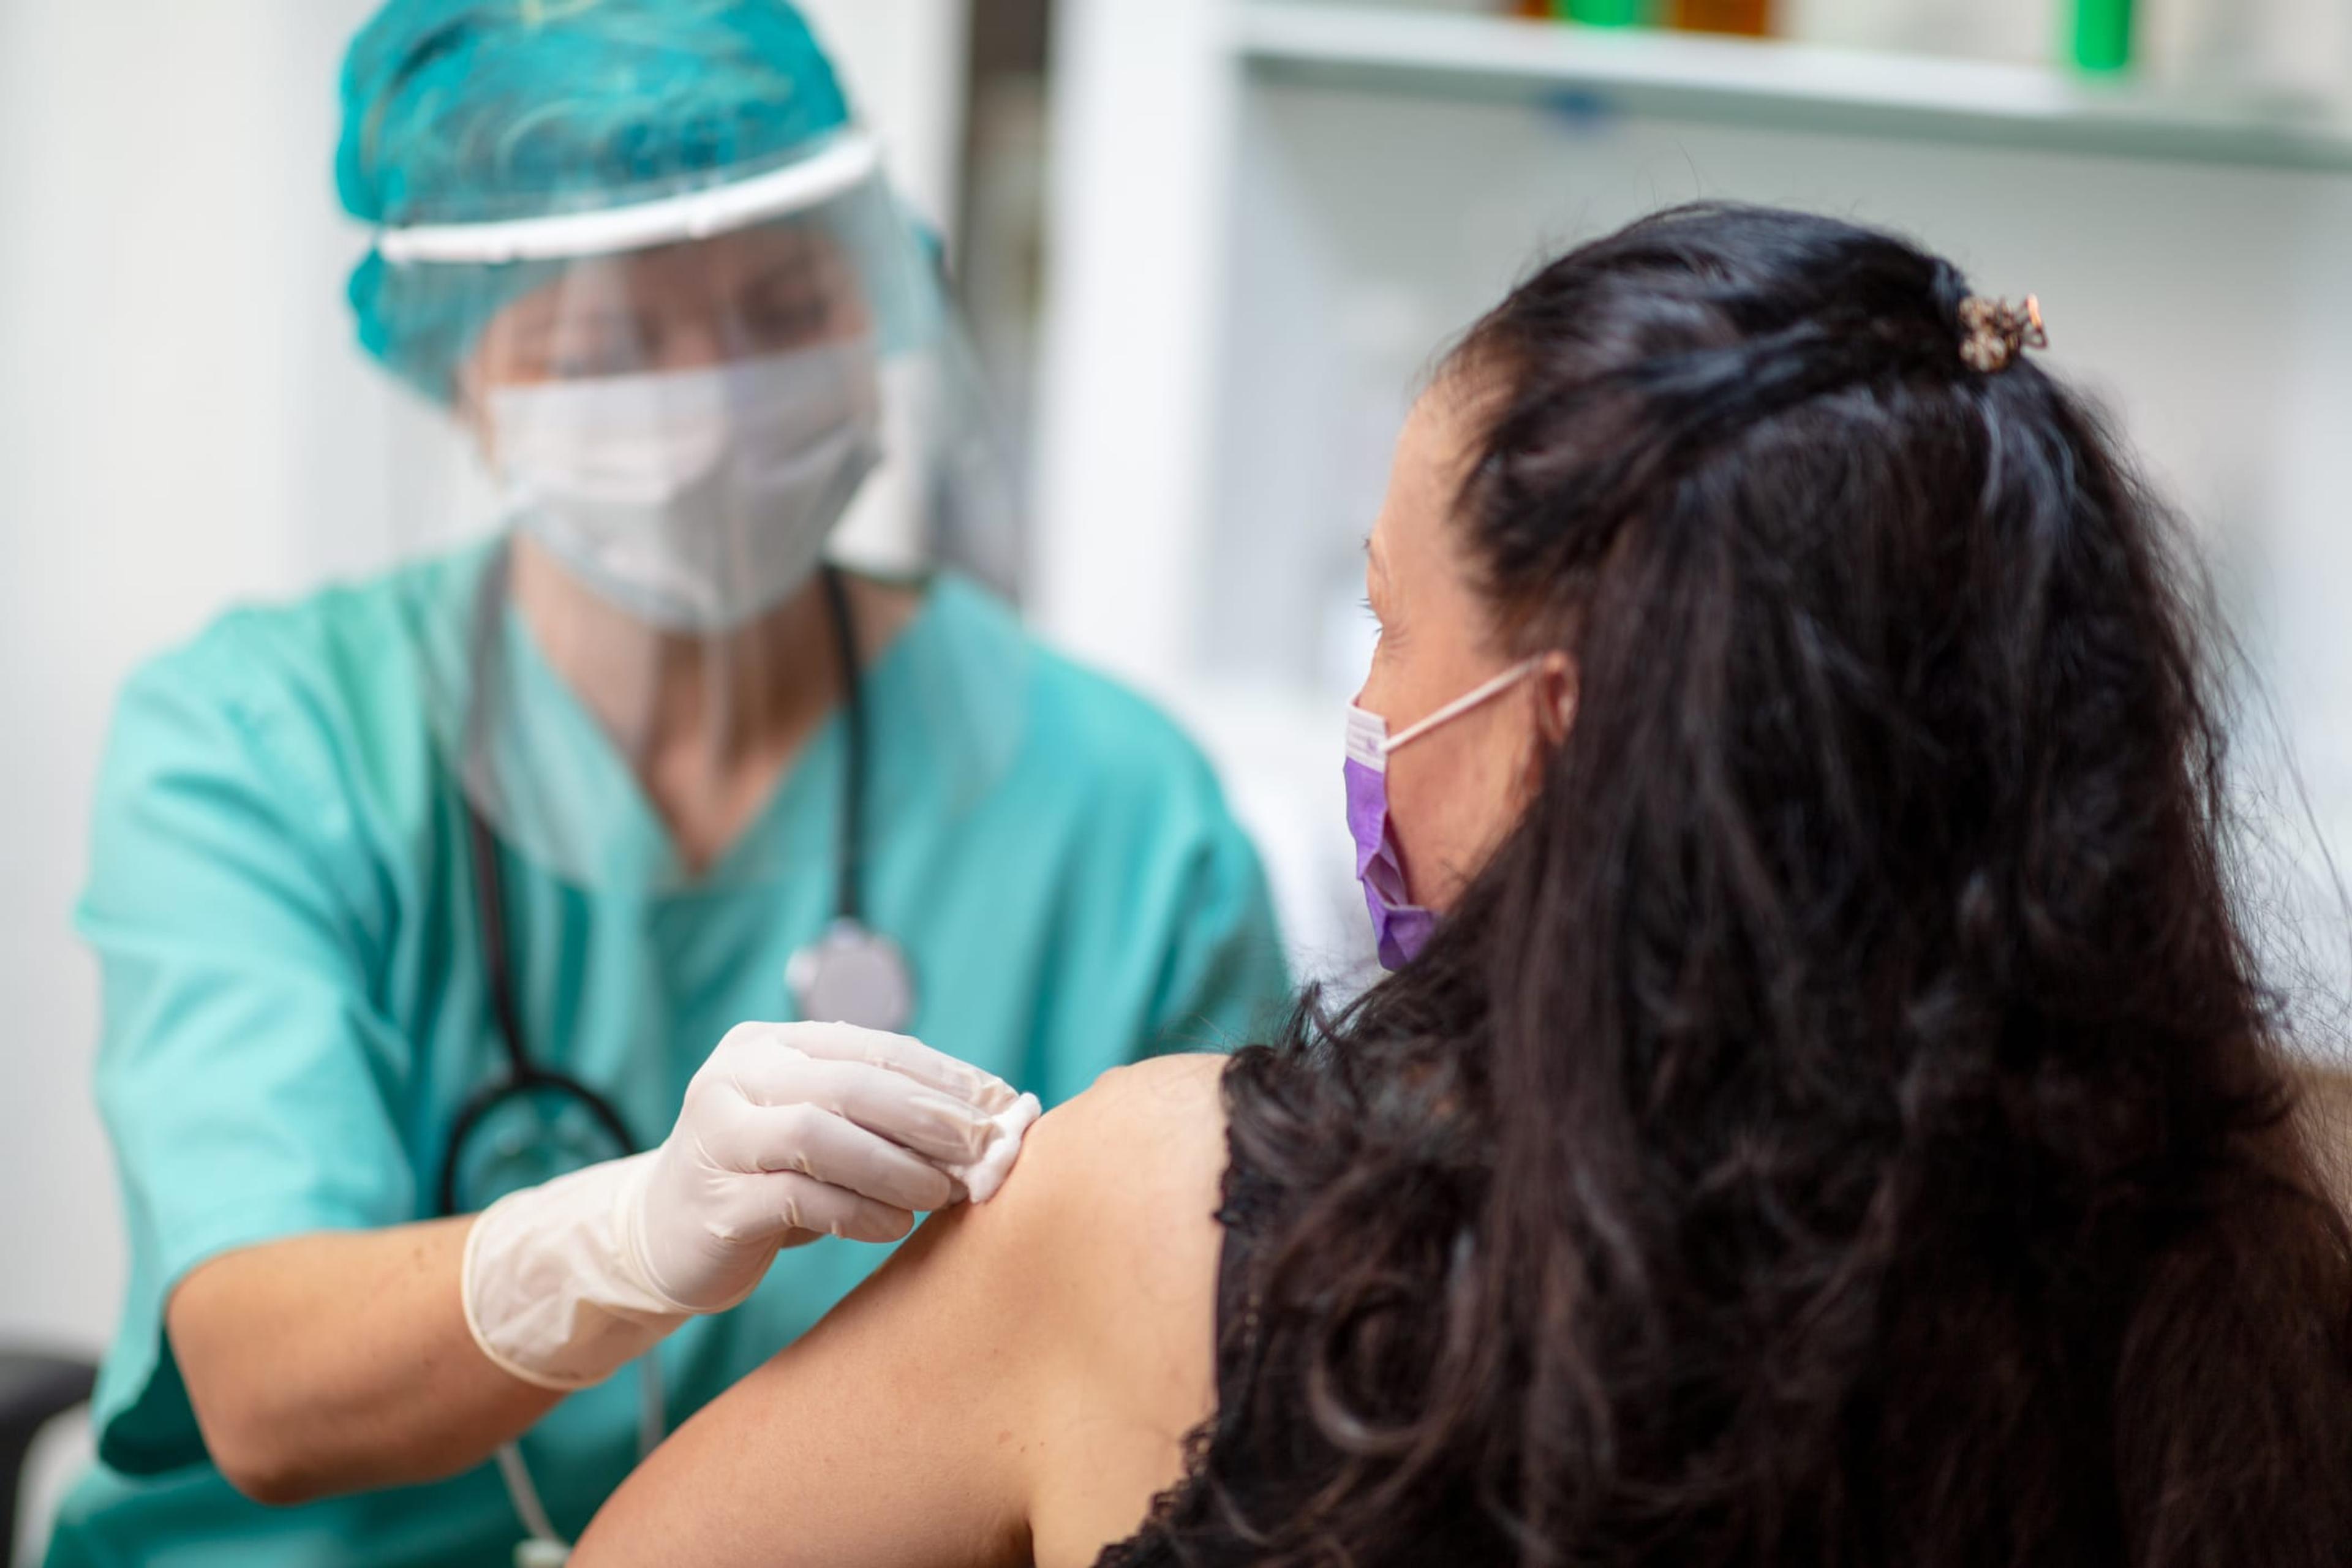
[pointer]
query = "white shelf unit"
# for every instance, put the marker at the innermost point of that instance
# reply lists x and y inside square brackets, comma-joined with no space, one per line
[1778,84]
[1267,217]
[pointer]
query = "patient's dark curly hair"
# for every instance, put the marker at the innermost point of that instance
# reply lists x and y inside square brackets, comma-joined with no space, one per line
[1843,1124]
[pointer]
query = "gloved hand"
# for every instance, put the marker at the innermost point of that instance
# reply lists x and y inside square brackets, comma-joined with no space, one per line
[790,1132]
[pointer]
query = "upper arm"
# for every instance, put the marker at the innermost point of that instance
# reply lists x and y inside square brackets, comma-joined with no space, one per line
[1017,1381]
[238,1067]
[240,1039]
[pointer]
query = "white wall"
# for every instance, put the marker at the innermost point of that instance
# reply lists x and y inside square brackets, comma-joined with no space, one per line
[177,417]
[904,63]
[183,422]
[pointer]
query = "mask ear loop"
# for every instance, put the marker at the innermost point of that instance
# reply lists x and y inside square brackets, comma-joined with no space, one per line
[1463,704]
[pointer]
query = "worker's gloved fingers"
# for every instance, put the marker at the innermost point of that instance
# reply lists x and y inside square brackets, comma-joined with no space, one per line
[939,1127]
[839,1152]
[787,1202]
[901,1053]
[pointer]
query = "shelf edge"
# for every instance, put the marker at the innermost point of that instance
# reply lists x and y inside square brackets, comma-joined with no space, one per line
[1782,85]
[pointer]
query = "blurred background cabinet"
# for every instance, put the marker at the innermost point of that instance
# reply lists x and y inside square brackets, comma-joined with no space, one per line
[1269,218]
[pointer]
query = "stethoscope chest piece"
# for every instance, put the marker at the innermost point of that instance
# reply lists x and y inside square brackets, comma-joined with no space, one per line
[852,975]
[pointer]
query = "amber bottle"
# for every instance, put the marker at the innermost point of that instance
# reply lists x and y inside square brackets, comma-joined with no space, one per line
[1750,16]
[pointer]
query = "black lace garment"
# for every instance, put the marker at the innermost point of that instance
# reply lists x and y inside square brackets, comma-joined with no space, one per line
[1256,1469]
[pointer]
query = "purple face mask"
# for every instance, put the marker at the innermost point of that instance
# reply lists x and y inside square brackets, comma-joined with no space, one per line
[1400,926]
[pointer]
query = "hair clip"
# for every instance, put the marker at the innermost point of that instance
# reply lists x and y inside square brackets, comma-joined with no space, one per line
[1994,332]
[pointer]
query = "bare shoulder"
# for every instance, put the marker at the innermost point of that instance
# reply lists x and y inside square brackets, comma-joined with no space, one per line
[1122,1187]
[1108,1216]
[1144,1136]
[1014,1385]
[1100,1248]
[1115,1201]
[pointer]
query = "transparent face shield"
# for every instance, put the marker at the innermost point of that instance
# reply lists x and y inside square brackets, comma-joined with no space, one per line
[701,457]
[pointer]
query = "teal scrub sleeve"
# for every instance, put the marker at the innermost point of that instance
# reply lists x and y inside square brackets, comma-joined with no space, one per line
[1225,983]
[244,1078]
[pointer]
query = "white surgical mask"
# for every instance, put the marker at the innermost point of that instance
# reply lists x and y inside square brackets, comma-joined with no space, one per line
[693,499]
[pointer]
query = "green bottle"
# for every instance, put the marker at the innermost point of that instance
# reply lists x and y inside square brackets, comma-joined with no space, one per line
[2103,30]
[1602,13]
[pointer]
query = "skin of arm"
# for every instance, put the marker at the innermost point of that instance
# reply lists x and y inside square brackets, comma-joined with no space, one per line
[1014,1386]
[340,1361]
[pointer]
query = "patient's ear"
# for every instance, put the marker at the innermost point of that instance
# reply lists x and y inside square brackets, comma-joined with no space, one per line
[1555,686]
[1555,689]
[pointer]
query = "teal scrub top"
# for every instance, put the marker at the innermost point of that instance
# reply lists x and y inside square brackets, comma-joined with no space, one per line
[294,1006]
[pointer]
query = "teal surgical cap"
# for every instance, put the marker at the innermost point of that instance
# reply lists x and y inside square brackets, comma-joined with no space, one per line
[479,110]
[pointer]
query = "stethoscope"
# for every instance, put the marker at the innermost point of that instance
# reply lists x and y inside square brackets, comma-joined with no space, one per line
[543,1122]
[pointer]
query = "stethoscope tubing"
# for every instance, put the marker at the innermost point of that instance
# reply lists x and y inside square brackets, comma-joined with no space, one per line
[522,1076]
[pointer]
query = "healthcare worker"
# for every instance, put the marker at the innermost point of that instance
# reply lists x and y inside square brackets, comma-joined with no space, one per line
[444,895]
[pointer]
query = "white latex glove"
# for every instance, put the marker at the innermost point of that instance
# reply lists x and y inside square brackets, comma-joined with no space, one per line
[790,1132]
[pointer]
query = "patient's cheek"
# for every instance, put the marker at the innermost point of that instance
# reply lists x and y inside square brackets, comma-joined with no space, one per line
[1425,812]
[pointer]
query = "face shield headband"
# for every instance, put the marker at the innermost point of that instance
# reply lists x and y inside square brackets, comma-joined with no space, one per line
[840,166]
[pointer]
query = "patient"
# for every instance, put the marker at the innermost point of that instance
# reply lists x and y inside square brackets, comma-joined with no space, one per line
[1833,1119]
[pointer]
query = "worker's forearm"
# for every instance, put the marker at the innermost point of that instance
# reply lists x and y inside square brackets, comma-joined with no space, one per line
[341,1361]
